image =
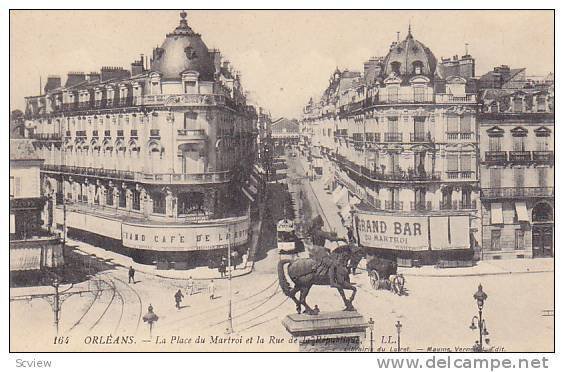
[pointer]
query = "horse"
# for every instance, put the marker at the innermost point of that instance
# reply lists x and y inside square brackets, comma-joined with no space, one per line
[323,268]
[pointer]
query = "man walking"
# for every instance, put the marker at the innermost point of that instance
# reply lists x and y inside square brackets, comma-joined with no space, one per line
[211,289]
[131,275]
[190,286]
[178,296]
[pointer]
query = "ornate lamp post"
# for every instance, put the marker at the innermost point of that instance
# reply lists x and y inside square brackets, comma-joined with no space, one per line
[150,318]
[398,328]
[371,326]
[480,296]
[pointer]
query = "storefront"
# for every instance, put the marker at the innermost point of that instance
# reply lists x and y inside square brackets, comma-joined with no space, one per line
[426,237]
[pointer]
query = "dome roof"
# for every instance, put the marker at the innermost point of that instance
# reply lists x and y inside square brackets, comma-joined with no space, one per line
[183,50]
[410,57]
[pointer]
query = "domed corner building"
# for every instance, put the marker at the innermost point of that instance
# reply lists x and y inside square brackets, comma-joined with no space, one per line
[155,162]
[399,142]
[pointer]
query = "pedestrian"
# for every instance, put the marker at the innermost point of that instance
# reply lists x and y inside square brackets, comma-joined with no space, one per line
[211,289]
[350,234]
[190,285]
[222,266]
[234,257]
[131,275]
[245,259]
[178,296]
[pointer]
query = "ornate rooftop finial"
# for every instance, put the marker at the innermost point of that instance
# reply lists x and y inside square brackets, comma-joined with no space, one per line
[183,28]
[409,30]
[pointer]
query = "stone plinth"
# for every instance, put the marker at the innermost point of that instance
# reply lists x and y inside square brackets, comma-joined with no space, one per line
[327,332]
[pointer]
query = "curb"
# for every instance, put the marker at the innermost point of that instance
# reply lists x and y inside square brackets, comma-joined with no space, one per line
[478,274]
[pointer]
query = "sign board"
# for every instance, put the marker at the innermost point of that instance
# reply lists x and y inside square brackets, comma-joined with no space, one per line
[406,233]
[194,237]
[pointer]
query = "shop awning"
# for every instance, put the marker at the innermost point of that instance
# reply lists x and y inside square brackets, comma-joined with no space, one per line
[521,209]
[496,213]
[12,224]
[247,194]
[25,259]
[337,193]
[343,198]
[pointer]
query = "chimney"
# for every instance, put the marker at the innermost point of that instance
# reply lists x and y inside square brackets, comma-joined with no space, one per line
[53,82]
[110,73]
[137,67]
[93,76]
[74,78]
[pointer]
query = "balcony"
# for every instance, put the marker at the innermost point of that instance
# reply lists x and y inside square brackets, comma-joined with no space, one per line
[517,192]
[184,100]
[421,206]
[454,175]
[192,134]
[47,136]
[449,98]
[457,205]
[496,157]
[519,157]
[456,136]
[393,137]
[543,157]
[154,178]
[420,137]
[393,205]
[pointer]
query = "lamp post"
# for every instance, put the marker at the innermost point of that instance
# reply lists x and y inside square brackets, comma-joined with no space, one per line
[371,326]
[150,318]
[229,315]
[480,296]
[398,328]
[56,305]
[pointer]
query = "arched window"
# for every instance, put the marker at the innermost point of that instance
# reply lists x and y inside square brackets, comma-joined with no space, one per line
[417,67]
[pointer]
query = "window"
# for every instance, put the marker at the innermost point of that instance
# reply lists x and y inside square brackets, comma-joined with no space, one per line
[466,124]
[495,143]
[396,66]
[496,240]
[466,198]
[543,144]
[543,176]
[393,94]
[495,177]
[420,193]
[419,94]
[136,200]
[452,162]
[122,199]
[452,124]
[190,119]
[541,104]
[110,196]
[519,143]
[393,124]
[190,202]
[159,203]
[190,86]
[517,104]
[519,177]
[466,162]
[417,67]
[519,239]
[394,163]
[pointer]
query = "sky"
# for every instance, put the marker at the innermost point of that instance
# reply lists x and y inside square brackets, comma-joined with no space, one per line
[284,57]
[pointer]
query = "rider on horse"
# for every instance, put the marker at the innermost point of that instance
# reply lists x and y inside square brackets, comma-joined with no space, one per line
[328,261]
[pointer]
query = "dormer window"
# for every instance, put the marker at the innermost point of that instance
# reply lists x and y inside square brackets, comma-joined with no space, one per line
[396,66]
[417,68]
[541,104]
[518,104]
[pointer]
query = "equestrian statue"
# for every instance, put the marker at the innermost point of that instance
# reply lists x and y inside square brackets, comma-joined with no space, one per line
[321,268]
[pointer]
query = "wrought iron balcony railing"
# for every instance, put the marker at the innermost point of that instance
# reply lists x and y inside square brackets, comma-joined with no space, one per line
[543,157]
[514,192]
[496,157]
[393,137]
[519,157]
[421,206]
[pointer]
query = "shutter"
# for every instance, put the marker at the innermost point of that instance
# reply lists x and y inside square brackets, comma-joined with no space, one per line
[465,162]
[465,124]
[452,124]
[495,177]
[452,162]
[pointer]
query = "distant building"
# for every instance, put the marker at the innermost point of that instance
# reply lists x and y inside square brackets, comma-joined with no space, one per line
[285,132]
[152,162]
[517,172]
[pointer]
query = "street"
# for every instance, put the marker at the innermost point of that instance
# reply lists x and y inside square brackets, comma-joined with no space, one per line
[435,313]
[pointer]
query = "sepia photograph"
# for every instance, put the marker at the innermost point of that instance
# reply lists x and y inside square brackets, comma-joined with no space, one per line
[375,181]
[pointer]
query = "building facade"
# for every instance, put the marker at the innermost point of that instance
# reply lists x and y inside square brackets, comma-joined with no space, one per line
[151,161]
[402,138]
[517,171]
[31,247]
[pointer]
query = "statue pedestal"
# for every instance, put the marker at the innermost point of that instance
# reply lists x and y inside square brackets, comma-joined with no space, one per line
[327,332]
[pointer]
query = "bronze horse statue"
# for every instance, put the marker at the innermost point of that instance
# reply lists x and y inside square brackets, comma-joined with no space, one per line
[323,268]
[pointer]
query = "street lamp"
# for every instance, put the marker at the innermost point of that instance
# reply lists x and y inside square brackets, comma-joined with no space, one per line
[480,296]
[150,318]
[398,328]
[371,326]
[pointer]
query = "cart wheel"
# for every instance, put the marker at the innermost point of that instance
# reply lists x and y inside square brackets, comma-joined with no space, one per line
[374,279]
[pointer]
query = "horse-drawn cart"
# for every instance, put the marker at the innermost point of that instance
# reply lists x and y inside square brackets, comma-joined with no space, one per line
[383,274]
